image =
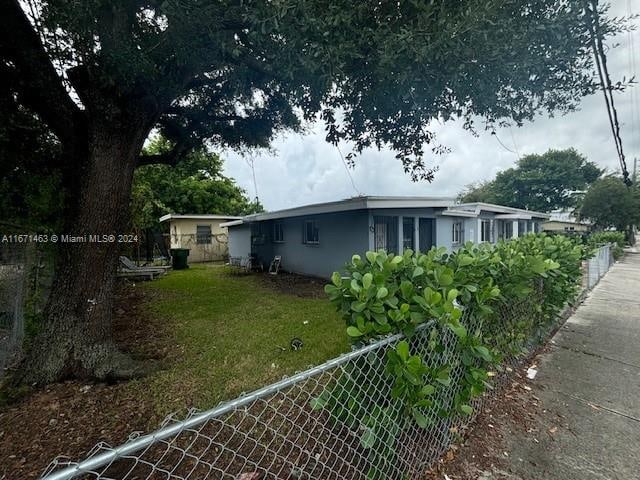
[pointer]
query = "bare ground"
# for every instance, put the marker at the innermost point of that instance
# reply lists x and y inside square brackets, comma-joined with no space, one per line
[71,417]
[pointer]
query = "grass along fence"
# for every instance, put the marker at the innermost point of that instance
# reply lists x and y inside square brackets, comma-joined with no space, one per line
[339,420]
[15,260]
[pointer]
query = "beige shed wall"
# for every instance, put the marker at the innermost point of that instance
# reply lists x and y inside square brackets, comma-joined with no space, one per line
[555,226]
[182,234]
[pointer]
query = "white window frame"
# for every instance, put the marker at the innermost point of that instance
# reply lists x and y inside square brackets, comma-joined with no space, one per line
[457,233]
[278,232]
[482,227]
[315,228]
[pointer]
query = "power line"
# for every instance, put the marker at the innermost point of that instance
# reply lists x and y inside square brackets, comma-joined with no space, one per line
[346,167]
[503,145]
[635,121]
[605,81]
[250,162]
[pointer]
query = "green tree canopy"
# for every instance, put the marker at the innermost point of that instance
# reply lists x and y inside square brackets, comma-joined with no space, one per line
[195,185]
[553,180]
[610,203]
[103,74]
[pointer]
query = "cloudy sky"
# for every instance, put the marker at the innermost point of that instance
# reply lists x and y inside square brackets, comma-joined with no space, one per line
[304,169]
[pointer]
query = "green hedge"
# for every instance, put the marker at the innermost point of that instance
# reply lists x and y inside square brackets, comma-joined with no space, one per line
[386,293]
[618,239]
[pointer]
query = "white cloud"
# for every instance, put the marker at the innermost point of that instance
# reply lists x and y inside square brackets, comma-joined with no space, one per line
[306,169]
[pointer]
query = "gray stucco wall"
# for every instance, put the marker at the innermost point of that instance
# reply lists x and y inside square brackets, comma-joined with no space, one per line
[240,241]
[340,236]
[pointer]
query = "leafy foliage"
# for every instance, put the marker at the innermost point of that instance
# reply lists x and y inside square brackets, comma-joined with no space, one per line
[195,185]
[538,182]
[610,203]
[617,239]
[458,298]
[31,193]
[235,73]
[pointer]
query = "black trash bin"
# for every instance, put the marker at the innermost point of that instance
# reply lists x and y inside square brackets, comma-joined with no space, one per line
[179,258]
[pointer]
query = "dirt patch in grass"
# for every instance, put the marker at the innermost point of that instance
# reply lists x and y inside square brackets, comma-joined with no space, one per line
[71,417]
[295,284]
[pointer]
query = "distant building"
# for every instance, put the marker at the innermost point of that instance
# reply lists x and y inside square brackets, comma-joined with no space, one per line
[202,234]
[565,222]
[319,239]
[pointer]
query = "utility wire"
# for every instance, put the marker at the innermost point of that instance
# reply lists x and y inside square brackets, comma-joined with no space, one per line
[591,8]
[346,167]
[635,121]
[250,162]
[503,145]
[515,145]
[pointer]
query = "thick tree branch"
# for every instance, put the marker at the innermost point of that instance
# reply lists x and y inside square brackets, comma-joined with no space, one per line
[36,79]
[168,158]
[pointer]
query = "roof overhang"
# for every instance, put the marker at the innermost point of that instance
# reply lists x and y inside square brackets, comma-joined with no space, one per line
[354,203]
[177,216]
[514,216]
[458,213]
[232,223]
[489,207]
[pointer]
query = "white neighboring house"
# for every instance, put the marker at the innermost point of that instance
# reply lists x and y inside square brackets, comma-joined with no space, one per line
[206,240]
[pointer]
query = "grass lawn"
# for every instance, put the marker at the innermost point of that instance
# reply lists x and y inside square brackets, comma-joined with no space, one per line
[214,335]
[234,335]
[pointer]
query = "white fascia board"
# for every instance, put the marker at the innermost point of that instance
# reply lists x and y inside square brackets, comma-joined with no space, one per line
[409,202]
[355,203]
[176,216]
[513,216]
[232,223]
[459,213]
[490,207]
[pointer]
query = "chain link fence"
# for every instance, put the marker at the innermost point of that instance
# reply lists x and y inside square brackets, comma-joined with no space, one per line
[336,421]
[597,266]
[14,268]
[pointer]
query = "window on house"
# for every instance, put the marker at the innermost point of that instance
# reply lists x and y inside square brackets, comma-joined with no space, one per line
[278,232]
[522,227]
[385,233]
[203,234]
[457,233]
[508,229]
[408,233]
[485,231]
[258,235]
[311,232]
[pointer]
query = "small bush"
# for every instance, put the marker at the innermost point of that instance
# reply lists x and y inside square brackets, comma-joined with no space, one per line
[617,239]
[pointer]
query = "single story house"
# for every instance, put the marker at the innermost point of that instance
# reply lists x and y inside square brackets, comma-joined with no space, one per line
[563,221]
[203,235]
[319,239]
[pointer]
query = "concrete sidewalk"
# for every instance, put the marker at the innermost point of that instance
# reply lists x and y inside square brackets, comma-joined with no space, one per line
[589,386]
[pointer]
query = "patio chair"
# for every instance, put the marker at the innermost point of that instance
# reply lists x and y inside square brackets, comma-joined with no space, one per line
[128,269]
[275,265]
[128,263]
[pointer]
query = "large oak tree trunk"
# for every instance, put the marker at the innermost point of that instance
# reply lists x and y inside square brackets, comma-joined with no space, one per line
[76,337]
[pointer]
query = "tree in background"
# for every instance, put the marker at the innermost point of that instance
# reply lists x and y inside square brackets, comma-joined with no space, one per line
[103,74]
[551,181]
[609,203]
[30,180]
[195,185]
